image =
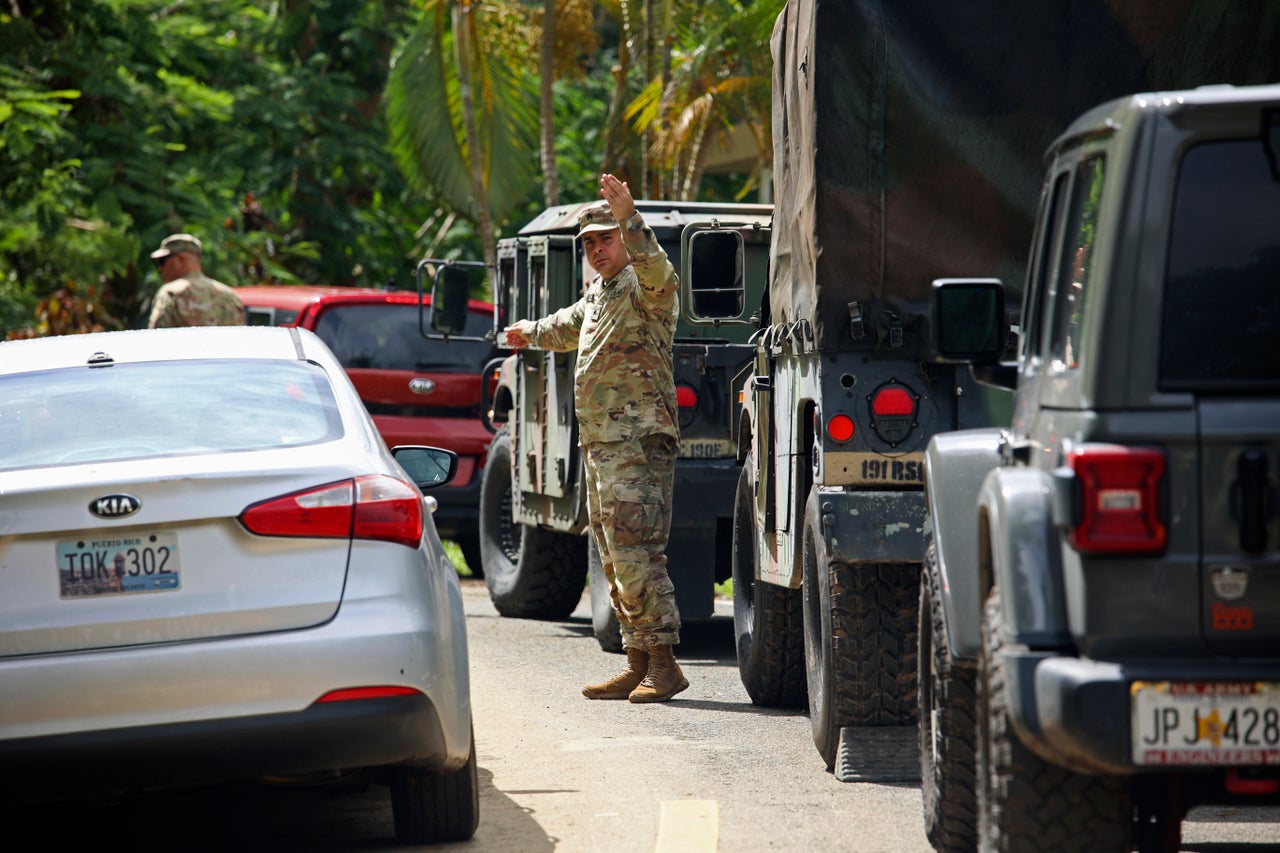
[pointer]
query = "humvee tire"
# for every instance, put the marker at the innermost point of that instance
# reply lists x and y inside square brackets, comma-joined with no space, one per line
[604,621]
[947,730]
[860,640]
[767,618]
[531,573]
[1024,802]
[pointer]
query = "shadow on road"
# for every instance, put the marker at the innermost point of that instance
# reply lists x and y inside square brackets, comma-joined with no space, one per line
[249,816]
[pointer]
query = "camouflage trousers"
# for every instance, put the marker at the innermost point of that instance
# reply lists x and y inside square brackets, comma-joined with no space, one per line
[629,486]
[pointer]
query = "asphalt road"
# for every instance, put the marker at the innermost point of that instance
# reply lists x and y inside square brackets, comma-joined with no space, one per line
[706,772]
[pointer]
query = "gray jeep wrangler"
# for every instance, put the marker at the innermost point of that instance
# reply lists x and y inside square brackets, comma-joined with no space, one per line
[1100,601]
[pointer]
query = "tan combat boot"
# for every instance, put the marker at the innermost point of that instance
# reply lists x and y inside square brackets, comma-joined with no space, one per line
[621,685]
[664,678]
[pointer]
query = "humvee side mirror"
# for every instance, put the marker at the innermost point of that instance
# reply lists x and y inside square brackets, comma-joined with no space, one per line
[716,287]
[443,314]
[450,294]
[968,320]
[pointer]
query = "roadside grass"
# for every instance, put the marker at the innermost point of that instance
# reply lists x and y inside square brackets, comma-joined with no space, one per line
[455,556]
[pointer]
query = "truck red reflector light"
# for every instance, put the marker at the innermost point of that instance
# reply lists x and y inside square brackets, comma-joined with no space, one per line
[351,694]
[893,400]
[371,507]
[686,397]
[1119,491]
[840,428]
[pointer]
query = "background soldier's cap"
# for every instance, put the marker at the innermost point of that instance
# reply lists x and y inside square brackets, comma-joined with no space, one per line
[175,244]
[597,218]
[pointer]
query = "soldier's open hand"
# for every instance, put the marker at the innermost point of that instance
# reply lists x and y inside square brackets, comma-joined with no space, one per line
[517,334]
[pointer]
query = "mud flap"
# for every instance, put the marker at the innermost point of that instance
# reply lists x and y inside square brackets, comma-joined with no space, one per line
[878,754]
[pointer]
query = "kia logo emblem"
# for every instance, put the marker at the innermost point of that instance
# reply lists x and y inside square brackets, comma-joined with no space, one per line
[114,506]
[422,386]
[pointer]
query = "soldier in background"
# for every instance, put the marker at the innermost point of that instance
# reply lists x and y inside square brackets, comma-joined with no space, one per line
[625,398]
[189,297]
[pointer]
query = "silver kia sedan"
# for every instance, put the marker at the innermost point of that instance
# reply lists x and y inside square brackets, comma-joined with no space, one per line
[212,568]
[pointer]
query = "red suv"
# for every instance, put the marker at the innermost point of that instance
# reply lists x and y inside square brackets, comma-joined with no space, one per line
[419,391]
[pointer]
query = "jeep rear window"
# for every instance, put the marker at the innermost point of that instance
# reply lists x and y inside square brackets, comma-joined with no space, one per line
[386,337]
[1221,323]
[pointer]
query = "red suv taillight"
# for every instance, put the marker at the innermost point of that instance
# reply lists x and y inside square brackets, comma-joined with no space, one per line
[1120,499]
[371,507]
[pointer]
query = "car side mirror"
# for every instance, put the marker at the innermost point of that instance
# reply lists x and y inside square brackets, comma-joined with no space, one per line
[428,467]
[450,294]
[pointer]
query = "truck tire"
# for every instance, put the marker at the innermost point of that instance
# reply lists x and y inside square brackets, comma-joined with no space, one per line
[1024,802]
[604,621]
[859,640]
[532,573]
[947,730]
[767,619]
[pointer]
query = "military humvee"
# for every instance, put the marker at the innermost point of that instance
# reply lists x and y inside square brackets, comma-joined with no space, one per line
[534,539]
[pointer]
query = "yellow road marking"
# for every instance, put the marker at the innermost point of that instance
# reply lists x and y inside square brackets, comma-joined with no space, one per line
[688,826]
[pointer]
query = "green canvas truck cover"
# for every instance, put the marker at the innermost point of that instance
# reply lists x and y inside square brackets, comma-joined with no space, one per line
[909,135]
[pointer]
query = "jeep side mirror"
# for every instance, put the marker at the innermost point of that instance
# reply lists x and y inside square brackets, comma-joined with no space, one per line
[968,320]
[449,297]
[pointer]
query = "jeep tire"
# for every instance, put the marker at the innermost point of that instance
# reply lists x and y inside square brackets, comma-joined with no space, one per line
[947,730]
[531,572]
[1024,802]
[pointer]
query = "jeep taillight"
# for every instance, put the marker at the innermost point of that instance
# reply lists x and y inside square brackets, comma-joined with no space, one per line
[1119,490]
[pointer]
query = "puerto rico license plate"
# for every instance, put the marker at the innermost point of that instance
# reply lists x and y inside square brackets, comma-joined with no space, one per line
[1205,723]
[117,565]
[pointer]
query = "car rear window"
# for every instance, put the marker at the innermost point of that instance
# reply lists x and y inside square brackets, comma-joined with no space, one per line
[132,411]
[1221,323]
[386,337]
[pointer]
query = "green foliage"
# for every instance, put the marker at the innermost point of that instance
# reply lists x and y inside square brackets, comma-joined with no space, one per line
[424,107]
[262,127]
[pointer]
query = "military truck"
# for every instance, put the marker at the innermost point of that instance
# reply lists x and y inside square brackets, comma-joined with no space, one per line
[1101,626]
[535,542]
[908,143]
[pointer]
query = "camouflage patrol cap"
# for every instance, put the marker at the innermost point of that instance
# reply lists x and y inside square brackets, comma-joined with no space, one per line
[176,244]
[596,218]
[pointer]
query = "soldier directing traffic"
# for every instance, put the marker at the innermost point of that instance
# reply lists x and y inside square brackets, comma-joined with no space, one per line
[624,393]
[188,297]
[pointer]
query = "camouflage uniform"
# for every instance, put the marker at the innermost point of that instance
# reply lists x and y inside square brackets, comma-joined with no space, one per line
[196,300]
[624,394]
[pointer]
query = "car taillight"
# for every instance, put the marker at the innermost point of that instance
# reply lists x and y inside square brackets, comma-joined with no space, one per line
[351,694]
[371,507]
[686,397]
[1120,499]
[840,428]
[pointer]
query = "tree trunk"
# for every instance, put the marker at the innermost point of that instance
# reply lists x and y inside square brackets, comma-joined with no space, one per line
[463,39]
[550,178]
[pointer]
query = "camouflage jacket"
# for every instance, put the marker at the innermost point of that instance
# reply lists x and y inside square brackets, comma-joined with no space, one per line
[624,330]
[196,300]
